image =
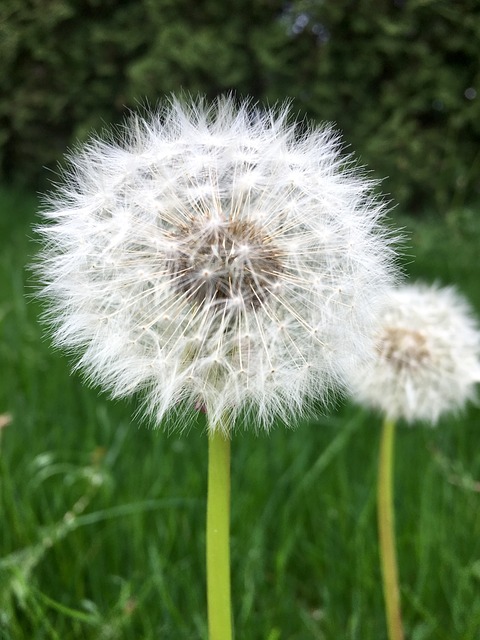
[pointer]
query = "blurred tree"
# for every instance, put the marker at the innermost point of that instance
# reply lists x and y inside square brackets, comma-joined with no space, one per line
[399,78]
[402,80]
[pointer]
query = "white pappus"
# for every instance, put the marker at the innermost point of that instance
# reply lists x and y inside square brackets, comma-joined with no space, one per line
[216,254]
[427,355]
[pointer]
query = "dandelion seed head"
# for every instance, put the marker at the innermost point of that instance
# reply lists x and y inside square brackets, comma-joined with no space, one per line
[215,256]
[426,355]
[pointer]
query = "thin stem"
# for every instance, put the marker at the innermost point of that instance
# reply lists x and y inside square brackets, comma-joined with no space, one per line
[386,532]
[218,537]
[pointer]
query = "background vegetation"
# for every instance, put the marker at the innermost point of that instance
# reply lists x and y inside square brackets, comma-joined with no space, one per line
[102,519]
[400,78]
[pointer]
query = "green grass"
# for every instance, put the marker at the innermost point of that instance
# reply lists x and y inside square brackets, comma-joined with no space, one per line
[102,529]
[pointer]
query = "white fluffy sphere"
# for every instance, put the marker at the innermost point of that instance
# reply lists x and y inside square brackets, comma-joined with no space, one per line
[427,355]
[215,255]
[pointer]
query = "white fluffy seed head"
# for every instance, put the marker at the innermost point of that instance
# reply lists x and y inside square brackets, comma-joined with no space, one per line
[215,256]
[426,358]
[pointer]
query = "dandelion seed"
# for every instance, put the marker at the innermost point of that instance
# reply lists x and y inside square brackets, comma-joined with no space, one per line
[215,256]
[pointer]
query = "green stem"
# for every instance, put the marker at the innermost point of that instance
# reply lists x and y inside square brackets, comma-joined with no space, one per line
[218,537]
[386,532]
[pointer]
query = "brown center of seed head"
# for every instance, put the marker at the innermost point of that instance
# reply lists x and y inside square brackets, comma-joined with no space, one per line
[403,348]
[230,263]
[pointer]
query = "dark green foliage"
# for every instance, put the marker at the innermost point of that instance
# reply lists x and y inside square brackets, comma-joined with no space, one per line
[399,78]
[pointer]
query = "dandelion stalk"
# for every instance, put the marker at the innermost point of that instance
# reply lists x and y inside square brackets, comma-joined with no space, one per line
[218,544]
[386,531]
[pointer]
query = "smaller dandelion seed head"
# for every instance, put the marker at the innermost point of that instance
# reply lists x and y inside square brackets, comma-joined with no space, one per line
[425,358]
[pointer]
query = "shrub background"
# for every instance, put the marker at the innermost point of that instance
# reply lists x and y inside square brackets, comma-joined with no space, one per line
[401,79]
[129,565]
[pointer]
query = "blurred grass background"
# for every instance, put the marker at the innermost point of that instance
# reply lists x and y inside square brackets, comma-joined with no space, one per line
[103,519]
[102,533]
